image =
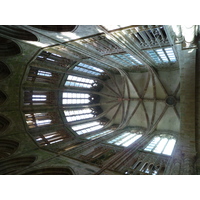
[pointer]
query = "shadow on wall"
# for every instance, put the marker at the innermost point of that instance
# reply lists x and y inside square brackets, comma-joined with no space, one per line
[51,171]
[18,33]
[8,47]
[4,123]
[57,28]
[7,148]
[12,166]
[4,71]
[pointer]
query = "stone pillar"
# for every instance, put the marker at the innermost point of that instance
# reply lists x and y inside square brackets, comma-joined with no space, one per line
[188,165]
[187,61]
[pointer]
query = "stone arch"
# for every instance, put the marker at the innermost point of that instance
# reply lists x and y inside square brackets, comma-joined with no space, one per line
[8,47]
[7,148]
[2,97]
[51,171]
[4,70]
[4,123]
[12,166]
[18,33]
[57,28]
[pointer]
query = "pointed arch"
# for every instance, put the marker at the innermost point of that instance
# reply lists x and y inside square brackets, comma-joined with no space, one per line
[4,71]
[4,123]
[7,148]
[3,97]
[18,33]
[8,47]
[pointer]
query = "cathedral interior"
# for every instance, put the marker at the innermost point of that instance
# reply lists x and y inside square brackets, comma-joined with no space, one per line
[99,100]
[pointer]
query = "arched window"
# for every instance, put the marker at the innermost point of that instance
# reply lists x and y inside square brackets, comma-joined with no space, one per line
[40,119]
[43,76]
[88,69]
[78,98]
[163,144]
[146,168]
[54,58]
[163,55]
[39,98]
[74,115]
[126,60]
[125,139]
[44,139]
[80,82]
[75,97]
[87,127]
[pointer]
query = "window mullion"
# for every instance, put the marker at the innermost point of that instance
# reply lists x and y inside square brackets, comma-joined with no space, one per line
[156,144]
[165,145]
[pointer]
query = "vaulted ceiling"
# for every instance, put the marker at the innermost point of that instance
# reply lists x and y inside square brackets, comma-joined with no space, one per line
[139,99]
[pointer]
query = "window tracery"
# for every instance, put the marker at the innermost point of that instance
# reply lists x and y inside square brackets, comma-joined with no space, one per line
[87,127]
[126,60]
[162,144]
[54,58]
[80,82]
[125,139]
[39,98]
[48,138]
[43,76]
[146,168]
[79,114]
[88,69]
[40,119]
[162,55]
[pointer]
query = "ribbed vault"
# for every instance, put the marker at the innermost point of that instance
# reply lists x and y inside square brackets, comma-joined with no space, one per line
[139,99]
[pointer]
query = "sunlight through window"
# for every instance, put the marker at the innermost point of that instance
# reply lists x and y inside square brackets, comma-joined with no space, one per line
[76,81]
[75,98]
[125,139]
[163,144]
[44,73]
[87,127]
[98,135]
[88,69]
[74,115]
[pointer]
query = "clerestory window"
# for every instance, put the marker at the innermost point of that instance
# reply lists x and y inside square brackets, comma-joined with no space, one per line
[50,138]
[44,73]
[88,69]
[76,81]
[162,144]
[126,59]
[39,97]
[124,139]
[163,55]
[37,119]
[87,127]
[75,98]
[74,115]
